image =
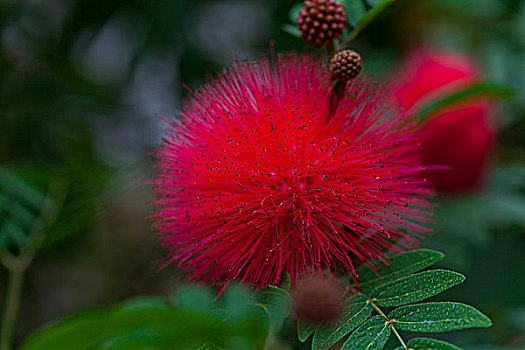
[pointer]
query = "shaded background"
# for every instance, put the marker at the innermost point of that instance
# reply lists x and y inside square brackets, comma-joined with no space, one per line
[82,83]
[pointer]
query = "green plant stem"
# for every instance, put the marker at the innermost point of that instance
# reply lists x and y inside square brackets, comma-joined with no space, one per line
[394,330]
[12,303]
[347,39]
[18,265]
[398,336]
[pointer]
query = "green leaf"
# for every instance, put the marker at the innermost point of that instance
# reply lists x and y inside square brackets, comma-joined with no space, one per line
[430,344]
[304,330]
[149,323]
[21,208]
[209,347]
[11,233]
[19,190]
[400,265]
[194,298]
[354,9]
[22,215]
[237,302]
[371,335]
[416,287]
[478,89]
[294,12]
[438,317]
[356,312]
[291,29]
[277,300]
[372,13]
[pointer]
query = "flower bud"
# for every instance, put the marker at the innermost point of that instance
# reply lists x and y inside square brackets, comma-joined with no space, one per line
[345,65]
[318,300]
[320,21]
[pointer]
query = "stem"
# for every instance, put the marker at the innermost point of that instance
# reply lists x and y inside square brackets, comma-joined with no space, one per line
[396,333]
[12,303]
[346,40]
[398,336]
[330,49]
[18,265]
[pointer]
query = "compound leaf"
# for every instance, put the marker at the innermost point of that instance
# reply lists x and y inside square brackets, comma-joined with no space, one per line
[416,287]
[438,317]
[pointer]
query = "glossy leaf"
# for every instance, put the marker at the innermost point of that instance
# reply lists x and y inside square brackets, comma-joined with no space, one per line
[371,335]
[399,266]
[430,344]
[304,330]
[438,317]
[356,312]
[416,287]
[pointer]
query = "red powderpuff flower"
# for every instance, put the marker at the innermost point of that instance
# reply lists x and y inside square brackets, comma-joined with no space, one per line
[459,137]
[257,178]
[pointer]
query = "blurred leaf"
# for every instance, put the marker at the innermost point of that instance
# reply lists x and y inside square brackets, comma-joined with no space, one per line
[77,193]
[145,323]
[437,317]
[209,347]
[354,9]
[291,29]
[294,12]
[194,298]
[87,196]
[478,89]
[237,302]
[371,335]
[356,312]
[18,190]
[378,7]
[467,223]
[416,287]
[22,208]
[430,344]
[276,300]
[400,265]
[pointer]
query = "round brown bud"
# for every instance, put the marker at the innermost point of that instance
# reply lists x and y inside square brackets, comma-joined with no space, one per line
[320,21]
[318,300]
[345,65]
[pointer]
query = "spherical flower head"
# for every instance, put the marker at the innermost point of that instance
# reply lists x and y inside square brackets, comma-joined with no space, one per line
[460,137]
[320,21]
[258,177]
[318,300]
[346,65]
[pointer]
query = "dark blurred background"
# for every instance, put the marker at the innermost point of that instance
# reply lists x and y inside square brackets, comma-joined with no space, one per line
[82,86]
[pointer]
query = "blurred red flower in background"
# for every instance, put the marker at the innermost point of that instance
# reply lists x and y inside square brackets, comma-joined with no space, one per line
[459,136]
[259,176]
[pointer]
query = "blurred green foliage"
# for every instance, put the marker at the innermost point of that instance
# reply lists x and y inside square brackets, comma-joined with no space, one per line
[154,323]
[66,72]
